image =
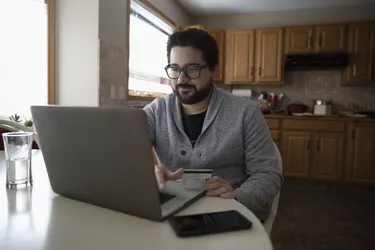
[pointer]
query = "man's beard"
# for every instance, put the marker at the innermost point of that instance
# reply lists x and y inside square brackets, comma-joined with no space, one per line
[198,96]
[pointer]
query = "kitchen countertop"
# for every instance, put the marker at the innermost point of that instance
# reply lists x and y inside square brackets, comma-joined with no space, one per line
[322,118]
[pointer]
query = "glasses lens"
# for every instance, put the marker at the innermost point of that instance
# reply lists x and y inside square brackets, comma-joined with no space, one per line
[173,72]
[193,72]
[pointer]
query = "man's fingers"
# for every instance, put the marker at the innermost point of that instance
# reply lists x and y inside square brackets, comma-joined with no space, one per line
[159,173]
[212,180]
[212,186]
[229,195]
[175,175]
[217,192]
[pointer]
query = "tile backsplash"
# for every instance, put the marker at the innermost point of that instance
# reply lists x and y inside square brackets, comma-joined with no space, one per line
[305,86]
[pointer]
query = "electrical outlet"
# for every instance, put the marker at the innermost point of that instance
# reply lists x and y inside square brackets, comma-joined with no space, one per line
[121,93]
[113,92]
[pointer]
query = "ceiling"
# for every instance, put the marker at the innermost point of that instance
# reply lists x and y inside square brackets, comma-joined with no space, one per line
[219,7]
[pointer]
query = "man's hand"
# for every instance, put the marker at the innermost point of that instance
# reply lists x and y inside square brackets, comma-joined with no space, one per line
[163,175]
[219,187]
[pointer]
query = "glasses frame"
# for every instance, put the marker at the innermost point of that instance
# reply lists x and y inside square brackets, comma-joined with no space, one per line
[184,69]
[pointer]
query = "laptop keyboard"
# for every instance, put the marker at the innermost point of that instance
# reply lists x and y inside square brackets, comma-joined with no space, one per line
[165,197]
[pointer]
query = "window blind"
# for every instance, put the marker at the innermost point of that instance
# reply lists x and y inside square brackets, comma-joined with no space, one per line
[23,56]
[147,56]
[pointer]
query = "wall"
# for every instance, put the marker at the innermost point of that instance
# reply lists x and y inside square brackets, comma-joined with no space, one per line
[113,17]
[113,22]
[173,10]
[77,52]
[113,67]
[286,18]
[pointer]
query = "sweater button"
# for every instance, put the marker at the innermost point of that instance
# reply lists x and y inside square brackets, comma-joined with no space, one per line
[183,152]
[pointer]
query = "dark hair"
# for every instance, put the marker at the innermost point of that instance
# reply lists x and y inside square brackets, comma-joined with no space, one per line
[198,39]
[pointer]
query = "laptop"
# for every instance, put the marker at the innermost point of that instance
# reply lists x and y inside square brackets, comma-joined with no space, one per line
[103,156]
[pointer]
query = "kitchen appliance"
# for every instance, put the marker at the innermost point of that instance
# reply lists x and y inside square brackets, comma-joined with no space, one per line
[297,108]
[322,107]
[317,61]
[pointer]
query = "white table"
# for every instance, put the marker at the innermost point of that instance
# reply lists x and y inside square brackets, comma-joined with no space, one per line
[37,218]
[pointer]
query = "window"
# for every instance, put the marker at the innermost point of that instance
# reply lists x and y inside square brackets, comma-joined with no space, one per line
[148,36]
[24,56]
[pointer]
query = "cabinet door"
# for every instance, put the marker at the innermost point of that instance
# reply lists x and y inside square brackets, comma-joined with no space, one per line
[373,54]
[296,153]
[361,50]
[328,156]
[269,55]
[219,36]
[330,38]
[361,152]
[299,40]
[240,56]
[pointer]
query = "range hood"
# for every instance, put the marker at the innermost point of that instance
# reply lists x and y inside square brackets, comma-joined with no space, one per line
[335,61]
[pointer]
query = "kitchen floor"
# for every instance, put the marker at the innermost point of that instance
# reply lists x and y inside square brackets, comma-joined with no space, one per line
[316,215]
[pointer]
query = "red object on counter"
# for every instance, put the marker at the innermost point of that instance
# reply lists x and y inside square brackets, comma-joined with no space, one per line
[297,108]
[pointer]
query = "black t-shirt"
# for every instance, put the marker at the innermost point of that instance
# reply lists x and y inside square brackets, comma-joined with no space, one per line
[193,125]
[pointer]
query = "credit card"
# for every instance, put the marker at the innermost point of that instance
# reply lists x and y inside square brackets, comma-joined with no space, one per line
[194,178]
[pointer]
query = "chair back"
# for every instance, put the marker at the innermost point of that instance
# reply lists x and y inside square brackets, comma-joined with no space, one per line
[275,204]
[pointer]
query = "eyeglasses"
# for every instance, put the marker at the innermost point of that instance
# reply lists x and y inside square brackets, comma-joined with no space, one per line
[190,71]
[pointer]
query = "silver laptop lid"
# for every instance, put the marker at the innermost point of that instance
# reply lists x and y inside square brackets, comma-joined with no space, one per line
[100,155]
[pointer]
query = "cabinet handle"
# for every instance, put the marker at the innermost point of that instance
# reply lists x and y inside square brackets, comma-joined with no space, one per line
[311,41]
[317,145]
[252,70]
[260,71]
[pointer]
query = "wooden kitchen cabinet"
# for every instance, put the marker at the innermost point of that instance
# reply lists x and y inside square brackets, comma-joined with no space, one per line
[299,40]
[373,54]
[240,67]
[274,127]
[313,149]
[296,153]
[328,156]
[361,48]
[361,153]
[330,38]
[219,36]
[269,56]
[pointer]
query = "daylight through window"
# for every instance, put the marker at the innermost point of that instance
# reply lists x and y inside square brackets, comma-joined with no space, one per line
[148,38]
[23,56]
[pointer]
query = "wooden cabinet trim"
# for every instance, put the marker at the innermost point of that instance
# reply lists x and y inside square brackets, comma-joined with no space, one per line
[275,134]
[320,38]
[353,141]
[360,68]
[290,39]
[273,123]
[296,153]
[311,125]
[324,157]
[231,63]
[269,40]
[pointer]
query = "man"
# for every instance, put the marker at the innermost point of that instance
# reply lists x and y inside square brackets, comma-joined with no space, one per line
[200,126]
